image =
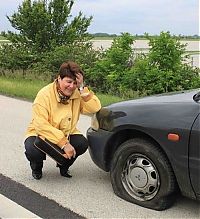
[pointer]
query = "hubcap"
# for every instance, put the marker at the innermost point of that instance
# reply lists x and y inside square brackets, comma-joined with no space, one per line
[140,177]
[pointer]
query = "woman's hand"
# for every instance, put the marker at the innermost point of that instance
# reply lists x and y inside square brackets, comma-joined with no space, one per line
[79,80]
[69,151]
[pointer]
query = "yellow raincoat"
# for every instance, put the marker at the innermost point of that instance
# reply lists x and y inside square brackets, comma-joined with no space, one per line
[54,120]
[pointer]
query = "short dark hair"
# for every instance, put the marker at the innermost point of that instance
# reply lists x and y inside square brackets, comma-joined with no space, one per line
[69,69]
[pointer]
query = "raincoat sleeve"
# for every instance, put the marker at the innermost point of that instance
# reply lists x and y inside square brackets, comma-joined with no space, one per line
[90,103]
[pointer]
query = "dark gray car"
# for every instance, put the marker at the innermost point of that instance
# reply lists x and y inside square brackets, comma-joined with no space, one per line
[151,146]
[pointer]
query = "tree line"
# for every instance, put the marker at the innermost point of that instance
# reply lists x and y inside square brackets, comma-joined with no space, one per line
[48,35]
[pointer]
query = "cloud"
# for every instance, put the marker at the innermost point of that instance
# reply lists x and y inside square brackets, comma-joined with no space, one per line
[115,16]
[136,17]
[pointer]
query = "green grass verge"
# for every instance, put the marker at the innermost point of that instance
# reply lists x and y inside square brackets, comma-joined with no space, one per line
[27,90]
[108,99]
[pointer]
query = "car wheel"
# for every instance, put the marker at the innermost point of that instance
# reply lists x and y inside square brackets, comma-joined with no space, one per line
[141,174]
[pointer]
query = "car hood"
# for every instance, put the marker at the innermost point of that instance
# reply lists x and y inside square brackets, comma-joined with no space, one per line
[173,97]
[174,110]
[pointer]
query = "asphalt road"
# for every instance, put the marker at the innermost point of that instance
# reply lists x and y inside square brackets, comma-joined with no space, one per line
[88,193]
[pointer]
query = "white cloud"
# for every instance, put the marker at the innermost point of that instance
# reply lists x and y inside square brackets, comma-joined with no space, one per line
[115,16]
[134,16]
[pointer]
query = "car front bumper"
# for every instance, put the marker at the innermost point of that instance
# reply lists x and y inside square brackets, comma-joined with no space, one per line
[97,147]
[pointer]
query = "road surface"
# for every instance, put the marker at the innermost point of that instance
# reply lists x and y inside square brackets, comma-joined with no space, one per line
[88,193]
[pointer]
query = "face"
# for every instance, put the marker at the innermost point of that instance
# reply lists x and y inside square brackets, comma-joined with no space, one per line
[67,85]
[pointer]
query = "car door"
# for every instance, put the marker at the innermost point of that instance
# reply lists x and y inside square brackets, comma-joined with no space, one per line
[194,156]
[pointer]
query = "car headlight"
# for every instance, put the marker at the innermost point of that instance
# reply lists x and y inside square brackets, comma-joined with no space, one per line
[94,122]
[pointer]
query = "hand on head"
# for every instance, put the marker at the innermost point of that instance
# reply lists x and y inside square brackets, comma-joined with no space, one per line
[79,79]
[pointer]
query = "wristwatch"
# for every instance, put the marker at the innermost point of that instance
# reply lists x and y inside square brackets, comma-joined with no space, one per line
[81,87]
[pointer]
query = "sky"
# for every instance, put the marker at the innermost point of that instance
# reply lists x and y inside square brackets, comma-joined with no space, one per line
[179,17]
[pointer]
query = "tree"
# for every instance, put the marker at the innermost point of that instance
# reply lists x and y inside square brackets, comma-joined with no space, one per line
[162,69]
[110,68]
[166,52]
[44,27]
[44,24]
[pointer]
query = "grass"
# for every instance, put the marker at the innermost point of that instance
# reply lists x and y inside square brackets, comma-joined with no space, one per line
[103,38]
[108,99]
[27,90]
[2,38]
[193,52]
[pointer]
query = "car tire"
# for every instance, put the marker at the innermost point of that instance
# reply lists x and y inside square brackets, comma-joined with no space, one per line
[141,174]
